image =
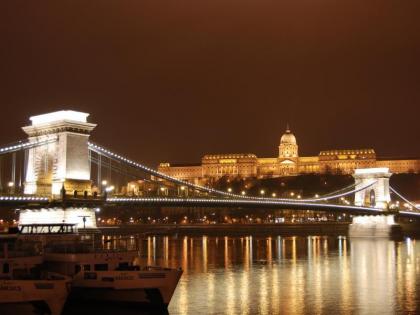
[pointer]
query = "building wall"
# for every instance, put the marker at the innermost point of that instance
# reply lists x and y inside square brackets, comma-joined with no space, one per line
[287,163]
[400,166]
[188,173]
[218,165]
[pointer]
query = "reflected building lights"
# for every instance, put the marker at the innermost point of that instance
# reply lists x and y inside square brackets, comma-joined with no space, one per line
[317,275]
[226,252]
[166,250]
[275,288]
[204,246]
[251,252]
[185,254]
[294,250]
[183,297]
[244,292]
[263,292]
[269,251]
[230,292]
[283,248]
[246,254]
[325,247]
[371,257]
[149,251]
[211,292]
[191,262]
[154,248]
[309,244]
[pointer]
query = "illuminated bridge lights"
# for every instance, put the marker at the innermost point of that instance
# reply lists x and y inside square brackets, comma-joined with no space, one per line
[403,198]
[239,202]
[102,150]
[230,198]
[26,145]
[23,198]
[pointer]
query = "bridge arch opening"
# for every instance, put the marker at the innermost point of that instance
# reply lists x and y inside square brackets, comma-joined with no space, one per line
[372,198]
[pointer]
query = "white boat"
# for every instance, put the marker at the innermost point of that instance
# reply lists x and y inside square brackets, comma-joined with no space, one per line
[105,275]
[23,284]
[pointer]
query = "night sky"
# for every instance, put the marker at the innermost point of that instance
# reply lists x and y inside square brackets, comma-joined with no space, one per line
[174,80]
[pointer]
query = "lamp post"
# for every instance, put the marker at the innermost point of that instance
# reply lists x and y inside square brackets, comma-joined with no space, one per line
[104,183]
[108,189]
[11,186]
[182,191]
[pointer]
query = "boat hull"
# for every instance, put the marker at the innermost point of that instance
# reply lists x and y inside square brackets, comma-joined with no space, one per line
[147,288]
[47,296]
[147,298]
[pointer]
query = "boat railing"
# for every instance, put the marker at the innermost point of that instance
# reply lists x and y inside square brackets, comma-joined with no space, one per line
[82,248]
[20,253]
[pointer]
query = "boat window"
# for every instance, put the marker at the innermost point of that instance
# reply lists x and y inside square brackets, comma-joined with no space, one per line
[44,286]
[90,276]
[101,267]
[86,267]
[108,279]
[6,268]
[123,266]
[77,269]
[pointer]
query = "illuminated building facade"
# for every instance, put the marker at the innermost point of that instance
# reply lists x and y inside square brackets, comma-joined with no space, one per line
[287,163]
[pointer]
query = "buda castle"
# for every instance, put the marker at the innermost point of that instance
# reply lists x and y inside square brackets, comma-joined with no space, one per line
[287,163]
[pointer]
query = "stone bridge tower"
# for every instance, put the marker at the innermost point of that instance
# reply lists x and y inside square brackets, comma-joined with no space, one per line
[64,160]
[377,195]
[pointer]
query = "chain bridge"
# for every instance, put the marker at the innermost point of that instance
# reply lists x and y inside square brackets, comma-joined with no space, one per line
[57,166]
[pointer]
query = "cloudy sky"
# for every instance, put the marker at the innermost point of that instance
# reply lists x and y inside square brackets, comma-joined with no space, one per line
[174,80]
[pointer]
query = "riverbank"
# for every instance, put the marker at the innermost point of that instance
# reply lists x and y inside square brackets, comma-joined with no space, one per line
[330,228]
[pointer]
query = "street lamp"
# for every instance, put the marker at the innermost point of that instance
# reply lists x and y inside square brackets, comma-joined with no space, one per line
[11,185]
[229,189]
[273,195]
[262,191]
[243,193]
[109,189]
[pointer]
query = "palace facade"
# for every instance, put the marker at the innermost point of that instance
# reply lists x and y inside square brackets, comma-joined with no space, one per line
[287,163]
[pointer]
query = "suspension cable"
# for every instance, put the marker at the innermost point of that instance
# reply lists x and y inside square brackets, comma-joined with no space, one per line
[403,198]
[101,150]
[25,144]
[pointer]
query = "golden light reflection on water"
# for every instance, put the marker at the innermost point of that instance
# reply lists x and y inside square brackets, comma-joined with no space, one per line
[204,248]
[290,275]
[244,292]
[166,251]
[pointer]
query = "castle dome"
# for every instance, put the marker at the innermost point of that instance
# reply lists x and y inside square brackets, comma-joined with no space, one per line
[288,137]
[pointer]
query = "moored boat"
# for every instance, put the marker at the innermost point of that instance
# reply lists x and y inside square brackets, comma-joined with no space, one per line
[23,282]
[110,275]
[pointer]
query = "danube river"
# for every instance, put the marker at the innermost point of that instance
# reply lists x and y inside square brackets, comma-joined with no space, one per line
[289,275]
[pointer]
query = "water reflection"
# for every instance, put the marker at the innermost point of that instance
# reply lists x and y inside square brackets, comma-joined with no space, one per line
[289,275]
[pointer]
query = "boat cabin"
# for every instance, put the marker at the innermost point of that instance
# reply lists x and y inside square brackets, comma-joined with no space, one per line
[56,228]
[18,260]
[73,258]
